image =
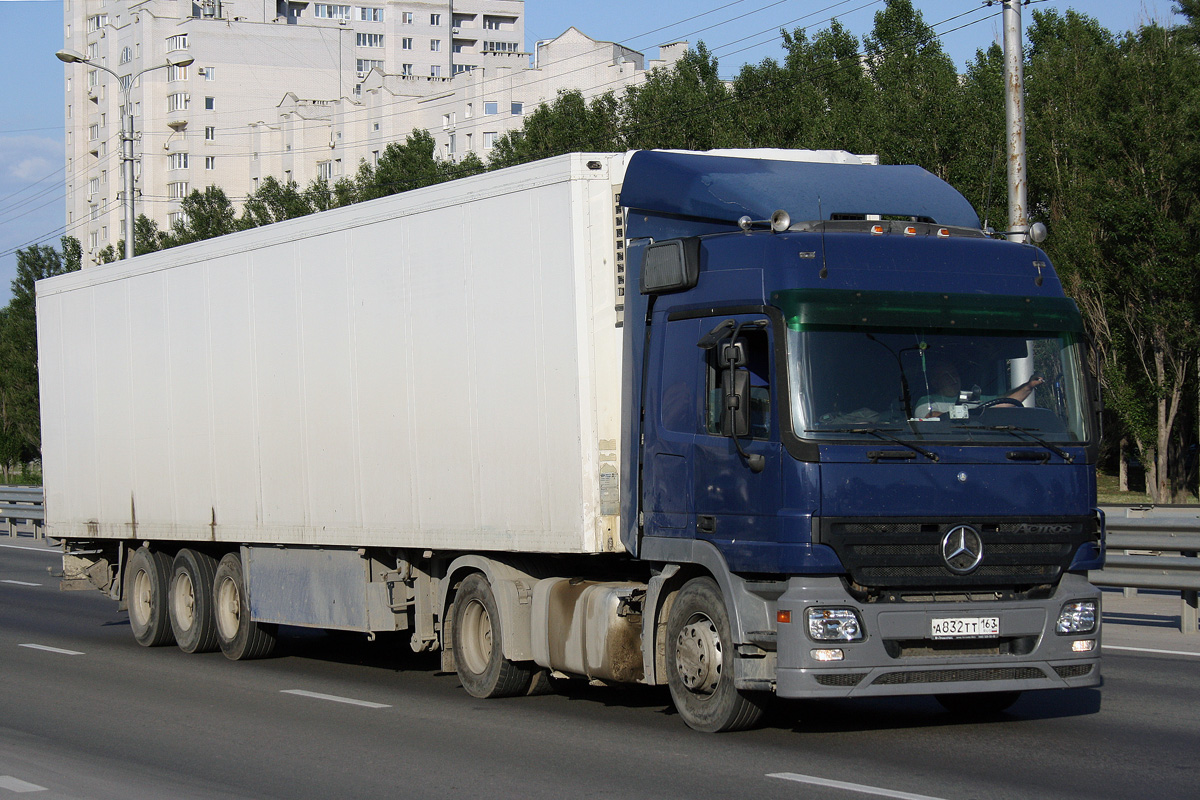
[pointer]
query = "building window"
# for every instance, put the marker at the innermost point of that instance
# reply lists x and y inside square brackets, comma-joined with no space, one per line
[499,47]
[369,40]
[518,109]
[175,73]
[406,43]
[93,78]
[178,101]
[97,22]
[177,161]
[93,132]
[435,45]
[450,147]
[370,14]
[365,65]
[435,71]
[175,217]
[491,107]
[93,50]
[435,20]
[177,42]
[177,190]
[406,69]
[406,17]
[126,55]
[325,170]
[210,162]
[327,11]
[470,111]
[93,186]
[210,133]
[489,139]
[209,73]
[94,240]
[210,103]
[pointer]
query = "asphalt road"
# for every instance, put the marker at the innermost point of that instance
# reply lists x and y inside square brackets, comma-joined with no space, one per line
[86,713]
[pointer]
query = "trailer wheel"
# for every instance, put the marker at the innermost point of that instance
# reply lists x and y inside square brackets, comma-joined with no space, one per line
[479,644]
[146,588]
[700,662]
[978,704]
[239,637]
[191,601]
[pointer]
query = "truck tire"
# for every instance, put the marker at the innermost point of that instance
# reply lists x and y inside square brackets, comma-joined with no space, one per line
[239,637]
[191,601]
[479,644]
[700,657]
[147,578]
[978,704]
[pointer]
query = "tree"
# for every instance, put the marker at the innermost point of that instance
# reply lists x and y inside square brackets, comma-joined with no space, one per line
[685,106]
[1113,144]
[916,88]
[20,423]
[205,215]
[568,125]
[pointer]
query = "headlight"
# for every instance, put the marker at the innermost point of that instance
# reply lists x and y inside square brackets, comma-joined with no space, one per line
[834,624]
[1077,617]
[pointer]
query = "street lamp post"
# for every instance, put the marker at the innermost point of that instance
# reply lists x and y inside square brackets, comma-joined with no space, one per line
[73,57]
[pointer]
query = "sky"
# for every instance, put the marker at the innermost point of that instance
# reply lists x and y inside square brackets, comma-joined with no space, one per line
[32,206]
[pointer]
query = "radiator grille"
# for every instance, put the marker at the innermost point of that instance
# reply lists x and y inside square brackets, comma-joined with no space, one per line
[841,679]
[906,554]
[1074,670]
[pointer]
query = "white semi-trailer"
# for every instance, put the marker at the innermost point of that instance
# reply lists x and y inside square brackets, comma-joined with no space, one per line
[443,413]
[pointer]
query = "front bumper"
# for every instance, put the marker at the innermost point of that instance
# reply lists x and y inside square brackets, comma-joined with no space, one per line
[898,655]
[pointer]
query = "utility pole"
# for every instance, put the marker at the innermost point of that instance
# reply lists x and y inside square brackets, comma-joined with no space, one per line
[1014,118]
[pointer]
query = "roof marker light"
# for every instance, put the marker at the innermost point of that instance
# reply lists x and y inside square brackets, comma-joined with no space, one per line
[910,230]
[876,230]
[943,233]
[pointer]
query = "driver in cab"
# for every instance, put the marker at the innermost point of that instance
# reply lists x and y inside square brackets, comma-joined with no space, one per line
[947,388]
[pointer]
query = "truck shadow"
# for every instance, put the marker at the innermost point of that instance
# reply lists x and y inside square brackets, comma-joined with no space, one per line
[900,713]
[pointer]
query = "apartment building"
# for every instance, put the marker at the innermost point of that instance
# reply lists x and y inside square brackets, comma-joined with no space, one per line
[296,90]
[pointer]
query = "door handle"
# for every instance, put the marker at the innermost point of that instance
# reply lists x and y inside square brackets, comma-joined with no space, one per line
[706,523]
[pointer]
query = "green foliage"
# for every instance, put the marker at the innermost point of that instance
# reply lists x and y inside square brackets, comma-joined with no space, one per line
[20,424]
[568,125]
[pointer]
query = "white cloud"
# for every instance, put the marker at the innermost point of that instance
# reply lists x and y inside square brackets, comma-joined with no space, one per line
[27,159]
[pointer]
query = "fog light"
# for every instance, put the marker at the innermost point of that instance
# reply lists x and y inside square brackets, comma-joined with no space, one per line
[1077,617]
[834,654]
[1083,645]
[836,624]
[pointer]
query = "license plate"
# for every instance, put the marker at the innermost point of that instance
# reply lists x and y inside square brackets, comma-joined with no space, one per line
[966,628]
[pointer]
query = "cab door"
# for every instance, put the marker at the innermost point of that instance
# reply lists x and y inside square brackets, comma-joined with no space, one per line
[737,502]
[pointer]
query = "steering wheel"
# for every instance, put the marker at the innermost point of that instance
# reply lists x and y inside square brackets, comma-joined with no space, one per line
[1001,401]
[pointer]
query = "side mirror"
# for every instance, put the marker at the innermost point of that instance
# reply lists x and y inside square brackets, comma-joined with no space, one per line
[735,417]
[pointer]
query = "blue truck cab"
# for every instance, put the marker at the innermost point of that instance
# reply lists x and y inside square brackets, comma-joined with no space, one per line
[862,430]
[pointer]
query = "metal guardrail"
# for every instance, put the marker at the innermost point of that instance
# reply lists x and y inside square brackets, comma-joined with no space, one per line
[1154,547]
[22,506]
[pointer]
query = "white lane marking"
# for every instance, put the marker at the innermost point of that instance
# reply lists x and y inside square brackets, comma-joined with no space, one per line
[17,785]
[334,698]
[849,787]
[1150,650]
[34,549]
[52,649]
[21,583]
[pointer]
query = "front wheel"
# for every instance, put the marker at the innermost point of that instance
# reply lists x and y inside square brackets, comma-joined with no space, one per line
[479,644]
[700,662]
[239,636]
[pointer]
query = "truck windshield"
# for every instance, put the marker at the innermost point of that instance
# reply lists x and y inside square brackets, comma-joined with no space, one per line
[936,367]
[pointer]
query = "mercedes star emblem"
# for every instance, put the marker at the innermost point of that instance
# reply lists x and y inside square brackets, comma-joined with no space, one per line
[962,549]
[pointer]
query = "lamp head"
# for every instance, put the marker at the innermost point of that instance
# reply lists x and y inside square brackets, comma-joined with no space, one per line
[70,56]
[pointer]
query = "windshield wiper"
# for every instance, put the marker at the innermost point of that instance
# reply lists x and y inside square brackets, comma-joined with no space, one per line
[1015,431]
[882,433]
